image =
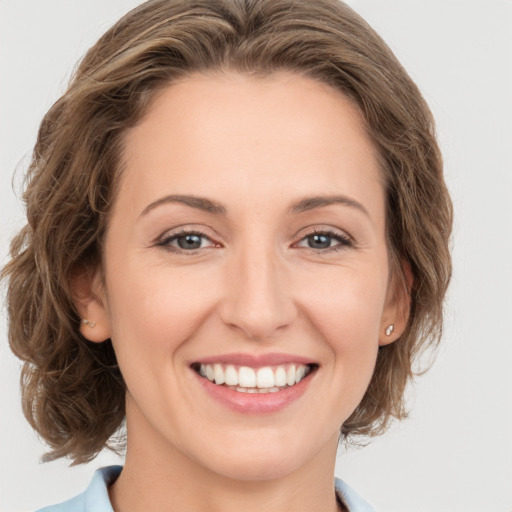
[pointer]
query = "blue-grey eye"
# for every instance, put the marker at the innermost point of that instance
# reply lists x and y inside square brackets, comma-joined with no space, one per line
[186,241]
[322,240]
[319,241]
[190,241]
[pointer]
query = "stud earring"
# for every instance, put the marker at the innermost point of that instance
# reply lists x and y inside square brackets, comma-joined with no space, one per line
[390,329]
[89,323]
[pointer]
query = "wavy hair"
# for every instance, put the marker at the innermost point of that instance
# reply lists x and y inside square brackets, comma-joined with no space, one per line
[72,390]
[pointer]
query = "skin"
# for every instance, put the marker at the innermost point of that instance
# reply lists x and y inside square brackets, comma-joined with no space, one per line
[256,146]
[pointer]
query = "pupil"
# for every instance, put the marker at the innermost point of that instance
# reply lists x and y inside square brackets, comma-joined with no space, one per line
[189,242]
[320,241]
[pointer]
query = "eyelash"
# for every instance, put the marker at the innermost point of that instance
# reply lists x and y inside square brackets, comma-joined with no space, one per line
[344,240]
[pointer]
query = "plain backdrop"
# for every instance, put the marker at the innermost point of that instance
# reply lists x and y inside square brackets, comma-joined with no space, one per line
[454,453]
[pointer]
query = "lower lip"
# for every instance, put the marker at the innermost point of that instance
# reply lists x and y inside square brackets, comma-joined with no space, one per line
[255,403]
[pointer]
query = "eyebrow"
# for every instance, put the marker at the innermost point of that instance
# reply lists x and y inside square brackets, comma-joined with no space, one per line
[302,205]
[201,203]
[309,203]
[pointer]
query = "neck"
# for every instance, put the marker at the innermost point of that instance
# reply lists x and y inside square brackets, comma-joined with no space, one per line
[157,476]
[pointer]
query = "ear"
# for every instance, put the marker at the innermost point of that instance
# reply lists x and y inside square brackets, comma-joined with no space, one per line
[398,304]
[89,298]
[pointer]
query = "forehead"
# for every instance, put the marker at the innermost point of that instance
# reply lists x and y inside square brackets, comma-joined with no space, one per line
[234,136]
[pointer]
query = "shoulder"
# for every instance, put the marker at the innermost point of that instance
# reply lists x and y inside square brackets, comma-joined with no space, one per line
[94,498]
[352,500]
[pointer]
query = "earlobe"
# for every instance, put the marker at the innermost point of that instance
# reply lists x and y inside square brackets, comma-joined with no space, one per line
[97,330]
[398,304]
[389,329]
[389,335]
[90,302]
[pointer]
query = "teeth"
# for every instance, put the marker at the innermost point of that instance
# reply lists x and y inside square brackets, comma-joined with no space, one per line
[218,373]
[265,378]
[256,390]
[280,376]
[290,375]
[268,379]
[299,374]
[231,375]
[246,377]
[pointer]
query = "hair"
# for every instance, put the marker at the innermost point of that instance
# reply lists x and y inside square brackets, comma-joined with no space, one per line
[72,390]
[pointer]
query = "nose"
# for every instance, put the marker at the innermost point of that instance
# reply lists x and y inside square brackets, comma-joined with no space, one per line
[257,299]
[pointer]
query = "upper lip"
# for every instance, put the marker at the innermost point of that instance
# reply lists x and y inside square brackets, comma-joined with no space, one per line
[255,360]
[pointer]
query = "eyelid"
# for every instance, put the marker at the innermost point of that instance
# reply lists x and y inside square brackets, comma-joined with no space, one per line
[346,240]
[171,235]
[319,228]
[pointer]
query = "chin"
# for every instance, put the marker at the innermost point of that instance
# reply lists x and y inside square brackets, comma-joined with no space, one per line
[262,459]
[257,469]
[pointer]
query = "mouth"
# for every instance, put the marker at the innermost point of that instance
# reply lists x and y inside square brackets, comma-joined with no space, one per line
[247,379]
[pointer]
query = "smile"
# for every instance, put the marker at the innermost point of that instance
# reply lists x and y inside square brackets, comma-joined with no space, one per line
[245,379]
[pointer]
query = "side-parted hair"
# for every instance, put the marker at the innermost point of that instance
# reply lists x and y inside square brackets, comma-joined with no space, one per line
[72,390]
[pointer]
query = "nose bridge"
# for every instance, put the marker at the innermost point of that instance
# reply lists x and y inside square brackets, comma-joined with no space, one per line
[257,298]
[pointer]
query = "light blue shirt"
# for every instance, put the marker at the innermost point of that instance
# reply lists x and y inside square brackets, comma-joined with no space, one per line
[95,497]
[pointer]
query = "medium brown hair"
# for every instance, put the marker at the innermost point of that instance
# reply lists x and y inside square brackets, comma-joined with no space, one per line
[73,392]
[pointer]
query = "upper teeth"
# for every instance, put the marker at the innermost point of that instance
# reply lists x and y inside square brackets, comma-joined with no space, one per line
[247,377]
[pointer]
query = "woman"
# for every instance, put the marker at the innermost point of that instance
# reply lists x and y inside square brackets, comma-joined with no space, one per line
[236,241]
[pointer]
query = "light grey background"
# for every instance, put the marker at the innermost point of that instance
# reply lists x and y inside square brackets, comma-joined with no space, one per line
[454,454]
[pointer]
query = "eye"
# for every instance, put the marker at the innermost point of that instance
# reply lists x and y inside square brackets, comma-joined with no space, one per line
[185,241]
[323,241]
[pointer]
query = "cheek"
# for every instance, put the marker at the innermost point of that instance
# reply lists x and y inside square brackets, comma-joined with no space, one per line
[157,309]
[349,303]
[347,313]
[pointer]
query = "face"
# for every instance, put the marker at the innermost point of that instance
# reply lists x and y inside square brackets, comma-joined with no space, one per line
[246,273]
